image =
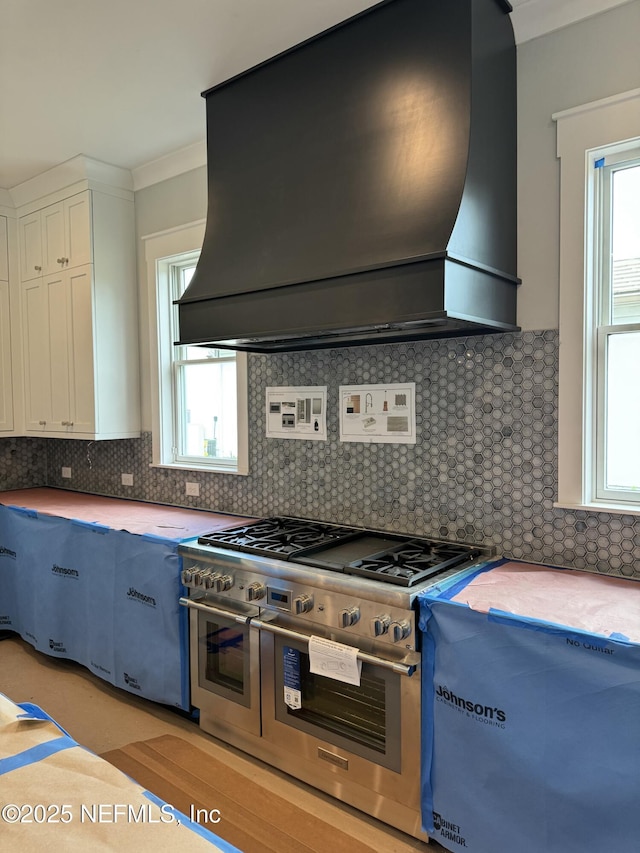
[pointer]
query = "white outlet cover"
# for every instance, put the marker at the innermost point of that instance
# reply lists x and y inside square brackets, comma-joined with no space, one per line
[66,473]
[193,489]
[127,479]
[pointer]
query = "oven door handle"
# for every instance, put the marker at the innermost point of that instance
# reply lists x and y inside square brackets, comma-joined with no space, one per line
[215,611]
[365,657]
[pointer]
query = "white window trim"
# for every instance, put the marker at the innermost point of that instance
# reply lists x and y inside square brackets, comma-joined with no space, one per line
[159,248]
[581,131]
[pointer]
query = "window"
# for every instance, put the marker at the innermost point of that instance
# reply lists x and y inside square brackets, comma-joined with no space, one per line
[599,392]
[615,288]
[200,405]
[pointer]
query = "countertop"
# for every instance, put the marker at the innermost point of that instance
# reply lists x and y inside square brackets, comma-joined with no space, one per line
[138,517]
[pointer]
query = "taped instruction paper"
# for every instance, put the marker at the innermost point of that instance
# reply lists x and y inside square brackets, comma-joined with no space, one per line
[334,660]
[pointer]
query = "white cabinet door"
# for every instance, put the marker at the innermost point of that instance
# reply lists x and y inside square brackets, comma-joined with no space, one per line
[56,290]
[81,359]
[35,346]
[6,385]
[58,353]
[30,240]
[53,250]
[4,250]
[77,229]
[6,367]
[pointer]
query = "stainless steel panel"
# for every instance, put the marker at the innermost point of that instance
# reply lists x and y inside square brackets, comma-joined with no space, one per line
[301,748]
[213,700]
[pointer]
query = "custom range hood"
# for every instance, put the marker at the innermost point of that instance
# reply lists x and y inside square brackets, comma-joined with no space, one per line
[362,186]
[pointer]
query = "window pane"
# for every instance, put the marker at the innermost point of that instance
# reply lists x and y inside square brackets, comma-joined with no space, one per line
[198,353]
[210,406]
[625,240]
[623,412]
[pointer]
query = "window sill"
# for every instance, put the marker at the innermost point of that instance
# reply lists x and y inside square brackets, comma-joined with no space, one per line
[611,508]
[208,469]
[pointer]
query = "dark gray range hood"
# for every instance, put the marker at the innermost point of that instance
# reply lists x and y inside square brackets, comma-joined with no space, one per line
[362,186]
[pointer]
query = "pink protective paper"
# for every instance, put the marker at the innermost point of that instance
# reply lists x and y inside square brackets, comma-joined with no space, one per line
[138,517]
[593,603]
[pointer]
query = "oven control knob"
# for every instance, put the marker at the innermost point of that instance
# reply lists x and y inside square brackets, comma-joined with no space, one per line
[223,583]
[380,625]
[255,591]
[400,630]
[198,577]
[349,616]
[302,604]
[187,577]
[210,579]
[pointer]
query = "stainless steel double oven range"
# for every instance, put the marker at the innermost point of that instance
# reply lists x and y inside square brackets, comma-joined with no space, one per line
[259,595]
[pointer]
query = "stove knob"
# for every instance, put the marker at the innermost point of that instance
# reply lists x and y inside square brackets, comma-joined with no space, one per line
[210,579]
[255,591]
[198,577]
[187,577]
[302,604]
[223,583]
[349,616]
[380,625]
[400,630]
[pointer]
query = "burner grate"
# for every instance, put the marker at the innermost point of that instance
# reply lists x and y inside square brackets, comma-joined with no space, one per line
[412,562]
[384,557]
[279,536]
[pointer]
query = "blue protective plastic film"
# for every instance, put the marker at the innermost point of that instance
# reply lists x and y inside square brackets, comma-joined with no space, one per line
[531,736]
[105,598]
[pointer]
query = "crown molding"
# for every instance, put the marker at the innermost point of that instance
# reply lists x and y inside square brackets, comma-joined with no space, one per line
[79,168]
[533,18]
[180,161]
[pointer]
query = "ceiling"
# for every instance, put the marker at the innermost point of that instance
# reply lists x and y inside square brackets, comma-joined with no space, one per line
[120,81]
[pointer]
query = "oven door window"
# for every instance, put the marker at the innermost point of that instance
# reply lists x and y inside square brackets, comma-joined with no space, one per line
[223,658]
[365,719]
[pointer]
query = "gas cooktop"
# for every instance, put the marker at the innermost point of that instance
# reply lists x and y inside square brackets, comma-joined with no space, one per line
[384,557]
[280,536]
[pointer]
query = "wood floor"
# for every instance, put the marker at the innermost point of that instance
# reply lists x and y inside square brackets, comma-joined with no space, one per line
[107,720]
[251,817]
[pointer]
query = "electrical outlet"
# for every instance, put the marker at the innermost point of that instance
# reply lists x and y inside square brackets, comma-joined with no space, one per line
[127,479]
[193,489]
[66,473]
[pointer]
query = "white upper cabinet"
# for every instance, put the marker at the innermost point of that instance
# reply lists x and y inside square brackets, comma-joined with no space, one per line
[79,316]
[6,384]
[55,238]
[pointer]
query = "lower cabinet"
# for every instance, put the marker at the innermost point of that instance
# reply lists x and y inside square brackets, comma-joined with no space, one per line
[105,598]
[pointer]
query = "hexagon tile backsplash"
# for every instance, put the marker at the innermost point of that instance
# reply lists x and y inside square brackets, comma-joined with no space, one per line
[484,468]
